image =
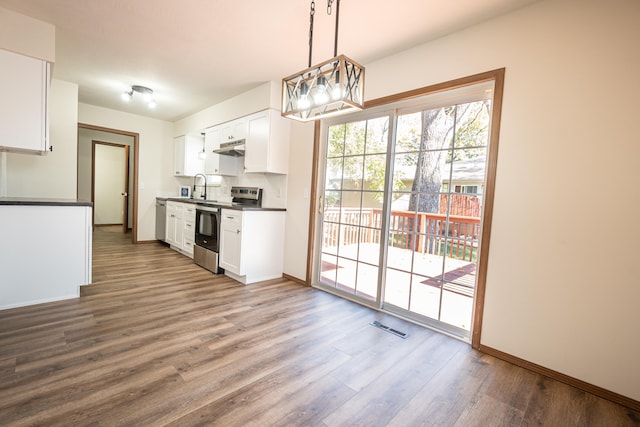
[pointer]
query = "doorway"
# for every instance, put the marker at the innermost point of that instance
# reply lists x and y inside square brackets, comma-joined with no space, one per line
[85,187]
[110,184]
[406,192]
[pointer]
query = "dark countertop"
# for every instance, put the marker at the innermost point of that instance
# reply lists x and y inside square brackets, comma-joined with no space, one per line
[221,205]
[35,201]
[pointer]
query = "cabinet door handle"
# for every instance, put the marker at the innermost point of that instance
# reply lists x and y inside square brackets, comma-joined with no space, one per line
[237,231]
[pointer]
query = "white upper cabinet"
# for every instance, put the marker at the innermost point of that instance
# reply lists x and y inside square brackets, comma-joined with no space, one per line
[233,130]
[216,164]
[267,144]
[187,161]
[24,87]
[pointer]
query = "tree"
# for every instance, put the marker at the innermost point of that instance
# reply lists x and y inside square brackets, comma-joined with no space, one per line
[437,126]
[447,135]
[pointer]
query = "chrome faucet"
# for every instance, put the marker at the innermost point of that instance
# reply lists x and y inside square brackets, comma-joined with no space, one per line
[195,177]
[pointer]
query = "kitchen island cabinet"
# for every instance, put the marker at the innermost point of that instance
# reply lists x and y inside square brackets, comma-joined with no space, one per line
[45,250]
[252,244]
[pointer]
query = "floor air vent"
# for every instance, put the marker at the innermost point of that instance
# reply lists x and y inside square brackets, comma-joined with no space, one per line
[388,329]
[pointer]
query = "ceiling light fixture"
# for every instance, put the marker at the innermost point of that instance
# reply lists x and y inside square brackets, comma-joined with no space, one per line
[332,87]
[147,95]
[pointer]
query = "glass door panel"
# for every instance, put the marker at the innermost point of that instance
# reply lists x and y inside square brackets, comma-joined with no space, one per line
[352,209]
[439,173]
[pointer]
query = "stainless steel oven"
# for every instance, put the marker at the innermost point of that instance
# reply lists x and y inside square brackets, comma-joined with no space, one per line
[207,247]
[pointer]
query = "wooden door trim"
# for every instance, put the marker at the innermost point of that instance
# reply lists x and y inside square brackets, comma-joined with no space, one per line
[125,208]
[313,208]
[136,154]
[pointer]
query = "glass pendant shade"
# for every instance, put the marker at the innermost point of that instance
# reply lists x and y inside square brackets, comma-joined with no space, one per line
[333,87]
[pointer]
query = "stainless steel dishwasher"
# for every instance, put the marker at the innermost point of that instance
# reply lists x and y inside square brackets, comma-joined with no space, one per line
[161,219]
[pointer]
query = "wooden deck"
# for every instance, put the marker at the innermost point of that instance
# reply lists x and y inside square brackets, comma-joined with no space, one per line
[158,341]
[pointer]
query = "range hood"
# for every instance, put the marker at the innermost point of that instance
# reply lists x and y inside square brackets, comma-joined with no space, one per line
[233,148]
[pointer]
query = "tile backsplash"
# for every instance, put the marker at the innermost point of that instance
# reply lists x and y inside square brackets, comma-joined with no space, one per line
[274,188]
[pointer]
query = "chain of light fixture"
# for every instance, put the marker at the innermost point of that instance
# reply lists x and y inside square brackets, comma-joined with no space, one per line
[312,12]
[335,86]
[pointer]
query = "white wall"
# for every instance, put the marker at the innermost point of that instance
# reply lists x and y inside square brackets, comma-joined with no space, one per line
[52,175]
[562,290]
[154,174]
[249,102]
[41,40]
[298,199]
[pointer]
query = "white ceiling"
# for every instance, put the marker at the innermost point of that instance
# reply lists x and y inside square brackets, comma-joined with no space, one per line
[196,53]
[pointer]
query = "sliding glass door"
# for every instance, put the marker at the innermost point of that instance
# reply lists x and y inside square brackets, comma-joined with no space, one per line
[402,203]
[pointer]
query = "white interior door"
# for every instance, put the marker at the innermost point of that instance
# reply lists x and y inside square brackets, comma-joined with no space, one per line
[110,185]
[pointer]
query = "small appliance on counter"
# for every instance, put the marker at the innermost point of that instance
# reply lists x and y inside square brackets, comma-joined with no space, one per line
[207,239]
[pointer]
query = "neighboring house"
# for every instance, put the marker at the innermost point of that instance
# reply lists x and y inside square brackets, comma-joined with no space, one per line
[467,177]
[466,186]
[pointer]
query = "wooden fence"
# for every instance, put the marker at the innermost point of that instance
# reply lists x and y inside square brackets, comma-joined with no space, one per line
[461,204]
[420,232]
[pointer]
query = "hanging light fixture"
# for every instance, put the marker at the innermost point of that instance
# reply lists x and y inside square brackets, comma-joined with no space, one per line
[147,95]
[330,88]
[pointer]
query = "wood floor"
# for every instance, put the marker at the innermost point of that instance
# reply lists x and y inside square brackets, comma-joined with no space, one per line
[158,341]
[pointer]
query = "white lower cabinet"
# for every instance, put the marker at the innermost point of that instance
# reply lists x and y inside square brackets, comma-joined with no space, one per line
[174,223]
[180,233]
[252,244]
[189,230]
[231,241]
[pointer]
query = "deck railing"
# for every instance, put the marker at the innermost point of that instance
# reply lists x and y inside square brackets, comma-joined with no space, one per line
[454,237]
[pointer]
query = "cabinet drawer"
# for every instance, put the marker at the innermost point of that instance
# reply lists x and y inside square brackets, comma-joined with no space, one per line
[189,213]
[190,228]
[232,218]
[187,244]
